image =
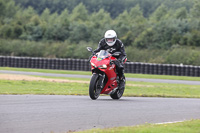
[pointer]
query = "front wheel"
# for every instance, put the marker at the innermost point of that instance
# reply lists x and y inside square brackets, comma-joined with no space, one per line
[94,88]
[119,92]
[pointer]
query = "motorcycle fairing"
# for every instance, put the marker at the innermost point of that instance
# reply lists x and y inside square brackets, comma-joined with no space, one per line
[110,72]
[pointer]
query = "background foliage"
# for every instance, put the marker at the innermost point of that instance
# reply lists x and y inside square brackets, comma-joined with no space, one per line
[154,31]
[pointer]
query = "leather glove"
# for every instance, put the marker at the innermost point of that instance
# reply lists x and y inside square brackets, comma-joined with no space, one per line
[118,63]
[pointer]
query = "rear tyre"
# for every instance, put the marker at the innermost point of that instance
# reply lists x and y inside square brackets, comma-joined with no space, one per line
[94,88]
[119,92]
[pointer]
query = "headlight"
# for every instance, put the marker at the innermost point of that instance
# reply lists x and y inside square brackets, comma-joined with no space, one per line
[104,66]
[93,64]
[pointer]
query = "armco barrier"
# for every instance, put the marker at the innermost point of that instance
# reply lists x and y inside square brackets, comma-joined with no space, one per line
[83,65]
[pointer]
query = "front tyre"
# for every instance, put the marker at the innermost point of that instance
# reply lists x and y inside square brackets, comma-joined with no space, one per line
[94,88]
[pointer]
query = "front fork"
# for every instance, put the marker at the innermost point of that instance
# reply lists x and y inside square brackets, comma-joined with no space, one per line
[101,81]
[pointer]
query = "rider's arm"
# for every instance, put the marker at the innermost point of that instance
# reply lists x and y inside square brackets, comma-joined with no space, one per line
[122,57]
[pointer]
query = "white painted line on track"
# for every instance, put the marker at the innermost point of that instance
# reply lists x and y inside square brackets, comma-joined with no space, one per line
[168,122]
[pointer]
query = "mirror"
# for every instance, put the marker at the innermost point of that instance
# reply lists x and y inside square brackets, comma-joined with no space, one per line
[89,49]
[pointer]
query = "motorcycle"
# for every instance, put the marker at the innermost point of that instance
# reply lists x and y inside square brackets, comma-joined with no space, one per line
[104,78]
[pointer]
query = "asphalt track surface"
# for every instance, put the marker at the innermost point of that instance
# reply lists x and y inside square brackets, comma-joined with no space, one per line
[87,76]
[59,114]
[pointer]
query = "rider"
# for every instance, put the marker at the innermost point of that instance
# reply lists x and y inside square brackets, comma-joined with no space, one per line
[112,44]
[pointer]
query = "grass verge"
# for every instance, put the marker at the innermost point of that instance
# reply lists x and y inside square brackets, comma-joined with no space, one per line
[192,126]
[42,88]
[141,89]
[130,75]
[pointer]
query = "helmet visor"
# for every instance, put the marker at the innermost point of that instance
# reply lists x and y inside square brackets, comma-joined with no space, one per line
[110,40]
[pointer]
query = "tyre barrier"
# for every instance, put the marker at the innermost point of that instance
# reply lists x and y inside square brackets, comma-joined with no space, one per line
[83,65]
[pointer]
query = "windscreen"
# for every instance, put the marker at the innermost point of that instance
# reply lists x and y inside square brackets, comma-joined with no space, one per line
[102,55]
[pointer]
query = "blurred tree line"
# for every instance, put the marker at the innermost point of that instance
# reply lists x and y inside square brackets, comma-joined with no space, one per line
[63,28]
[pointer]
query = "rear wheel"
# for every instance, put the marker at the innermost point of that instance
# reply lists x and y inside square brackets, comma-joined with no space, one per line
[119,92]
[94,88]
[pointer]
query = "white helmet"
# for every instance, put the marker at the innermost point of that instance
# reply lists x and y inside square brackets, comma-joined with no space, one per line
[110,37]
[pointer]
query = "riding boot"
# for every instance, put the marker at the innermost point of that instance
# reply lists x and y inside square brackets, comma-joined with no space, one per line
[120,73]
[121,80]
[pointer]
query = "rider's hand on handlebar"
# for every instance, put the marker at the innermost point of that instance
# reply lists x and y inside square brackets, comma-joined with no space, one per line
[118,63]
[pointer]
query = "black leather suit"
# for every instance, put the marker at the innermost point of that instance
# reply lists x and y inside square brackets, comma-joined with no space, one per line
[117,47]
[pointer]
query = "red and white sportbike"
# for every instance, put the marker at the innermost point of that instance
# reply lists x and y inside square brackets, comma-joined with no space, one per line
[104,76]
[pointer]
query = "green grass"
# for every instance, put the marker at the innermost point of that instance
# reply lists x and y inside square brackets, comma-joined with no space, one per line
[149,76]
[162,90]
[89,73]
[192,126]
[132,89]
[42,87]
